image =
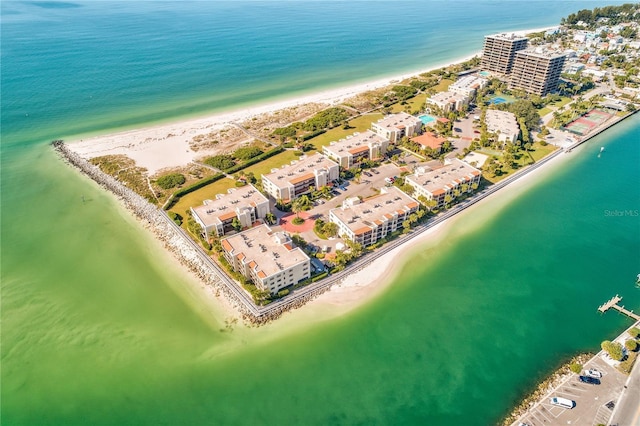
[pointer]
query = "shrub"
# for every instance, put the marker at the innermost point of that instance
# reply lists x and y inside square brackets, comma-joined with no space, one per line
[632,345]
[575,367]
[221,162]
[247,152]
[175,217]
[170,181]
[634,332]
[297,221]
[283,292]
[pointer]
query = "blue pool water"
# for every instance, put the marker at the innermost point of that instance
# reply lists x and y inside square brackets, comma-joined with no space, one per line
[426,118]
[484,73]
[497,101]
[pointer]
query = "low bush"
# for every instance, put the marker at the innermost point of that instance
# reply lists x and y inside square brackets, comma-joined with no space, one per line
[171,180]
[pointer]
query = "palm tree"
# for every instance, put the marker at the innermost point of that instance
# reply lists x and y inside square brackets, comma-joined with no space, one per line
[297,206]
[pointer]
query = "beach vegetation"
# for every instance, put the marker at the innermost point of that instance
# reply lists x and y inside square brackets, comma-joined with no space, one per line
[220,162]
[171,180]
[575,367]
[124,169]
[247,152]
[614,350]
[403,92]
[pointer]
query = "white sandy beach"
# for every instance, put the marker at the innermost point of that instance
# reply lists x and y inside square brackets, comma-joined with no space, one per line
[167,145]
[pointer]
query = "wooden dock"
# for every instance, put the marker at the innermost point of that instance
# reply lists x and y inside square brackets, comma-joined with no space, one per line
[613,303]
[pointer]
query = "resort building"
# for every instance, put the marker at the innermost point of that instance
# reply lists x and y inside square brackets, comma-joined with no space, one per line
[504,124]
[267,258]
[357,147]
[429,140]
[291,181]
[367,221]
[395,126]
[499,52]
[445,181]
[246,204]
[468,85]
[448,101]
[536,72]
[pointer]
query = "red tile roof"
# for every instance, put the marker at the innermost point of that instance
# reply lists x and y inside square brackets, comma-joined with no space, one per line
[430,140]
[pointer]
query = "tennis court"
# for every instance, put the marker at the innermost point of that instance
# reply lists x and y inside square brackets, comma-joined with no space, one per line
[587,122]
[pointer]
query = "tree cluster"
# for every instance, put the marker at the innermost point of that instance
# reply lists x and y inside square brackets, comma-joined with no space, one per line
[614,15]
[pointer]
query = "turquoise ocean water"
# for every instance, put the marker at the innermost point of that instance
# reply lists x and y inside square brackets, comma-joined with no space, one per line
[100,327]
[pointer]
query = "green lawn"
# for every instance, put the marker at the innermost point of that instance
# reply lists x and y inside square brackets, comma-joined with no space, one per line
[416,103]
[359,124]
[208,192]
[544,111]
[537,153]
[276,161]
[556,105]
[540,151]
[443,85]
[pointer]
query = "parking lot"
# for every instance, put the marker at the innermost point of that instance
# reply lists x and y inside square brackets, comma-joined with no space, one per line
[594,403]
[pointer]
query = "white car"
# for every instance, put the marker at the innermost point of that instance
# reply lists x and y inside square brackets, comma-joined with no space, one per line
[562,402]
[593,373]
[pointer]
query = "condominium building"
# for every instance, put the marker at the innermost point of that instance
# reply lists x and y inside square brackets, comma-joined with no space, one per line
[246,204]
[468,85]
[367,221]
[291,181]
[357,147]
[445,181]
[448,101]
[536,72]
[395,126]
[504,124]
[267,258]
[499,52]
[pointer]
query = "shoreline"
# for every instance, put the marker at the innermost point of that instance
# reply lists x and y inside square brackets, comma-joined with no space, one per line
[165,144]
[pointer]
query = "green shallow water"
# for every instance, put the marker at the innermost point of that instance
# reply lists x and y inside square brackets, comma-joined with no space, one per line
[99,327]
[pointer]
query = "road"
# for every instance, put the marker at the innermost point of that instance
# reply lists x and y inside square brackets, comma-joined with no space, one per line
[627,411]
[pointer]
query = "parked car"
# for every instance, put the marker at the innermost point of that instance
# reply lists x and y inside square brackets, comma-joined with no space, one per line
[590,380]
[368,174]
[562,402]
[593,373]
[375,172]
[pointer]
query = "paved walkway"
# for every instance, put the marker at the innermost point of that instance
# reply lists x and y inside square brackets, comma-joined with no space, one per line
[287,223]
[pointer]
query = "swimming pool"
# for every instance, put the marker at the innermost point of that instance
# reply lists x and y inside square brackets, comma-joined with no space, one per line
[497,100]
[426,118]
[484,73]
